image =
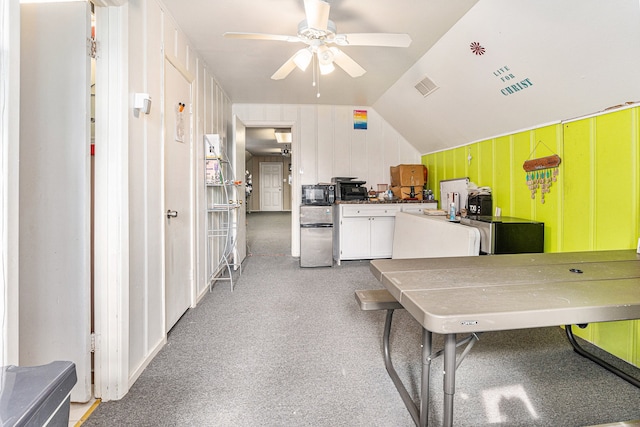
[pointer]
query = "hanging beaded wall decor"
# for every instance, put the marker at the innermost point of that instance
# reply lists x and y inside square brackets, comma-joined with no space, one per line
[541,174]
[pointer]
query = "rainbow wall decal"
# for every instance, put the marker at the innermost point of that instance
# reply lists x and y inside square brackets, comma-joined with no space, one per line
[359,119]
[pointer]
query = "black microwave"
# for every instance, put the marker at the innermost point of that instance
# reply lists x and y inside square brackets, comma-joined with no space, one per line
[319,194]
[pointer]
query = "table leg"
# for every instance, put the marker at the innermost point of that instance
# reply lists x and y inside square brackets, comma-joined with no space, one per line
[404,394]
[449,378]
[584,353]
[426,369]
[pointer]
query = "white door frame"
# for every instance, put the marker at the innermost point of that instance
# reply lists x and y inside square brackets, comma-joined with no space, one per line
[295,176]
[111,229]
[239,166]
[9,194]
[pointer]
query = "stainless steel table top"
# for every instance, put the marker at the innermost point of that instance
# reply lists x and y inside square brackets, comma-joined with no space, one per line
[501,292]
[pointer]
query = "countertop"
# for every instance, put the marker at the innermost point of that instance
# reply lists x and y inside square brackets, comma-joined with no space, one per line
[379,202]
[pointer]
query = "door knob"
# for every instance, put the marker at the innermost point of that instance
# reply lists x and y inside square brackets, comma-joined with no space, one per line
[172,214]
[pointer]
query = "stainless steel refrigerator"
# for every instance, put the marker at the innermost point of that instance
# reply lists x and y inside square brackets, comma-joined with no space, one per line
[316,236]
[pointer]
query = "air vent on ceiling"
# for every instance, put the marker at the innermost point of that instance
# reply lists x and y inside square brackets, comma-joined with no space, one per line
[426,86]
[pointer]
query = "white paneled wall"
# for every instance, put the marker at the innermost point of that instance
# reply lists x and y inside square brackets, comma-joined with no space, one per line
[150,29]
[325,145]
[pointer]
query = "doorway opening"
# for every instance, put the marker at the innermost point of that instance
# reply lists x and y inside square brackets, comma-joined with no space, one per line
[268,171]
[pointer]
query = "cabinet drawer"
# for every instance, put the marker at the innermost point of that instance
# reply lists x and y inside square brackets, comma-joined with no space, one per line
[369,210]
[418,207]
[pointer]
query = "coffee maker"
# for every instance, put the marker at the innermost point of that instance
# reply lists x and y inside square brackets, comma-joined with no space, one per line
[479,205]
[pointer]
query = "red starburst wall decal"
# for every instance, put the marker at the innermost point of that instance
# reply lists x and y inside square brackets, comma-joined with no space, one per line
[476,48]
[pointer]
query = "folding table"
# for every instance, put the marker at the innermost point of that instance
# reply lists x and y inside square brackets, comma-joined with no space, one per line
[470,295]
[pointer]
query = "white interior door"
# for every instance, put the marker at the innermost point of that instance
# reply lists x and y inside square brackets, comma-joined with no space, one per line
[55,188]
[177,195]
[270,186]
[239,132]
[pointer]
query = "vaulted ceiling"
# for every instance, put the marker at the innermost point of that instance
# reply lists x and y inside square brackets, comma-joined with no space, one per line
[499,65]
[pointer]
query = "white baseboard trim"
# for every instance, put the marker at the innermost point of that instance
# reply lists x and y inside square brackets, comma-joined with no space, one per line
[152,354]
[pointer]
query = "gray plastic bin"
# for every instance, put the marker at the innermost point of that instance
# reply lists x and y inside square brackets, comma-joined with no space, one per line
[36,395]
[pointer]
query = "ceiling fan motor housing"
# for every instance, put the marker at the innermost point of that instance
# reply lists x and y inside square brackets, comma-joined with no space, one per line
[307,33]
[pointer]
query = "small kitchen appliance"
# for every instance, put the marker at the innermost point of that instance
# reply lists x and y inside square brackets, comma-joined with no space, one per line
[508,235]
[348,188]
[316,236]
[479,205]
[318,195]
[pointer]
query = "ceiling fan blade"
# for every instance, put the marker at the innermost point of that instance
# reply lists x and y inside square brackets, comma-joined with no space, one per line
[317,12]
[345,62]
[373,39]
[261,36]
[285,69]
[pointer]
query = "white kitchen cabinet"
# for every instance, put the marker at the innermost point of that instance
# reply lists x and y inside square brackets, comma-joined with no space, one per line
[364,231]
[354,240]
[382,236]
[418,207]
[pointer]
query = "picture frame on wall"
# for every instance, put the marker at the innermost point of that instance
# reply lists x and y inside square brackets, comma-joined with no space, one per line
[360,119]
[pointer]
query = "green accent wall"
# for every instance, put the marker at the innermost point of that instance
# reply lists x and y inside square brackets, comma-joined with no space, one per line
[593,205]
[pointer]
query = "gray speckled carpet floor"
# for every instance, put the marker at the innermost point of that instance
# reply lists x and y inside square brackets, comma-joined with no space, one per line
[290,347]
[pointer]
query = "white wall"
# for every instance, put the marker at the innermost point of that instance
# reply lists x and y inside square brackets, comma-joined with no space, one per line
[325,145]
[148,30]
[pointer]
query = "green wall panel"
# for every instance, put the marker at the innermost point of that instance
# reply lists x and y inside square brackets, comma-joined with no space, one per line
[473,164]
[578,186]
[614,337]
[449,164]
[635,358]
[485,164]
[613,174]
[501,189]
[523,204]
[593,205]
[441,171]
[459,163]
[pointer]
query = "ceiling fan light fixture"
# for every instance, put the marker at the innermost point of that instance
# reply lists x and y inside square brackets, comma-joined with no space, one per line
[326,68]
[325,59]
[325,55]
[302,59]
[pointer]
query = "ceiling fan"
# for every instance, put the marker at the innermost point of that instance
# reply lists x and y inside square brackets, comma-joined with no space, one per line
[319,33]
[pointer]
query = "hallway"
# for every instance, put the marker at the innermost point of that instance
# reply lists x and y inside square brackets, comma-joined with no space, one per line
[269,234]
